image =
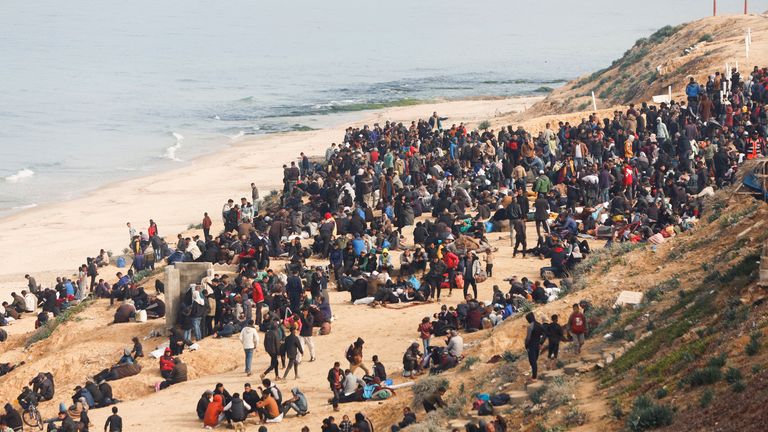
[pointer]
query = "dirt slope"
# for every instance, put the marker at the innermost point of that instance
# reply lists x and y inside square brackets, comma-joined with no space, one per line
[662,59]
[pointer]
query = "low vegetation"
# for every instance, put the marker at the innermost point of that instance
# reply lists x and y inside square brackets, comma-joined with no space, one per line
[47,330]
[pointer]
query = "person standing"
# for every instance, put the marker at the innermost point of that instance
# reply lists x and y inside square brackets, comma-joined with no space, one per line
[131,232]
[207,222]
[335,378]
[307,327]
[533,340]
[425,333]
[294,289]
[249,337]
[114,422]
[577,326]
[471,269]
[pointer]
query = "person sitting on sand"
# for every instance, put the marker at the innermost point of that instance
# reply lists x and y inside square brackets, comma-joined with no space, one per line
[214,413]
[166,363]
[178,374]
[298,402]
[125,312]
[268,410]
[202,404]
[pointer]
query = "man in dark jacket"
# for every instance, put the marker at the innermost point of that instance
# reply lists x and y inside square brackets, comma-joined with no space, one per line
[335,378]
[533,340]
[237,409]
[12,418]
[202,404]
[272,347]
[43,385]
[294,289]
[434,277]
[541,214]
[517,221]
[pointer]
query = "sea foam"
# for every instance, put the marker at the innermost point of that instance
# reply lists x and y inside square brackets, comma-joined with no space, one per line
[170,151]
[20,175]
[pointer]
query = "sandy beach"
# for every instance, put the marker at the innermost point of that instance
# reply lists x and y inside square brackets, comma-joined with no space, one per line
[52,240]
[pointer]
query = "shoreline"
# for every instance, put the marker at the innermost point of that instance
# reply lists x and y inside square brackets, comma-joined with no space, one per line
[68,231]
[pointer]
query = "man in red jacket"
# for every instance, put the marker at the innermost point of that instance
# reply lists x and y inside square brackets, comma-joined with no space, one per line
[577,326]
[258,299]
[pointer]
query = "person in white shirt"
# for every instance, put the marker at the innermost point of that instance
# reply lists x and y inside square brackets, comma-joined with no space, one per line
[249,337]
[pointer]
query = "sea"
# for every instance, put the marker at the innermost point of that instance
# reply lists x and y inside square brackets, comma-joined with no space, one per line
[93,92]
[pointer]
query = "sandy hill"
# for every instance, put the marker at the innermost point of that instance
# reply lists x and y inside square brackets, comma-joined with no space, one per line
[664,59]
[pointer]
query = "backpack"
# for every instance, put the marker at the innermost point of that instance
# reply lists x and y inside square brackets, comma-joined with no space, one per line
[499,399]
[485,409]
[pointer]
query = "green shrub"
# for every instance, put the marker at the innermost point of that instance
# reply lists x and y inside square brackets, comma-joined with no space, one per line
[537,397]
[706,398]
[753,347]
[616,411]
[738,387]
[510,357]
[732,375]
[704,376]
[661,393]
[47,330]
[425,387]
[756,369]
[575,417]
[707,37]
[484,125]
[648,415]
[469,362]
[717,361]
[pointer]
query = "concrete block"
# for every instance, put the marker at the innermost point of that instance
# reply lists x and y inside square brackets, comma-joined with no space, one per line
[533,387]
[178,278]
[572,368]
[551,374]
[629,298]
[517,397]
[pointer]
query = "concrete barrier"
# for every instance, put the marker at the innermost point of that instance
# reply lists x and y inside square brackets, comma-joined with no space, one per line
[178,278]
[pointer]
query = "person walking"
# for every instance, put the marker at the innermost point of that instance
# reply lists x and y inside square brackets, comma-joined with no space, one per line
[533,340]
[354,355]
[249,337]
[292,346]
[272,347]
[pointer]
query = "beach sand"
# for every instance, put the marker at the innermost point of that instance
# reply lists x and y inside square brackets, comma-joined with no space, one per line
[53,240]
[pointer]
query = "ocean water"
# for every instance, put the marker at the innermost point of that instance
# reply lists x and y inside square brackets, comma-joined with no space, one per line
[92,92]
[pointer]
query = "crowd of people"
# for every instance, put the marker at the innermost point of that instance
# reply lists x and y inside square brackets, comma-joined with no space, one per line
[398,213]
